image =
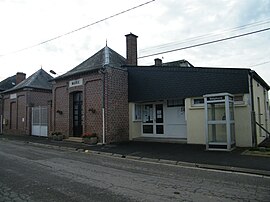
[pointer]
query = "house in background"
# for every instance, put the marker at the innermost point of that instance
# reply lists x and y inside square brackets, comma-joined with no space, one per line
[6,84]
[25,106]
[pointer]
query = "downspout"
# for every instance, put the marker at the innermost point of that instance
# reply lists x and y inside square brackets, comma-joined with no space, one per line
[253,118]
[103,72]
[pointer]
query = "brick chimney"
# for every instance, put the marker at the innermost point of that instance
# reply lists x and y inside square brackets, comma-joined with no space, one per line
[131,41]
[158,62]
[20,77]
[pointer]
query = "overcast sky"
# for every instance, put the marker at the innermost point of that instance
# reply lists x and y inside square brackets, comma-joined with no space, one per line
[160,26]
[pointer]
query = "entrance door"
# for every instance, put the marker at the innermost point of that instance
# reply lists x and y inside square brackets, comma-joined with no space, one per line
[153,121]
[77,114]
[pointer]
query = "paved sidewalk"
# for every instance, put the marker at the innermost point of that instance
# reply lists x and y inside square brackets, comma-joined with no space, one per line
[181,154]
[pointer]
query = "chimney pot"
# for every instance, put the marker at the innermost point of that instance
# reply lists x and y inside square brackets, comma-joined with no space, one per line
[20,76]
[131,43]
[158,62]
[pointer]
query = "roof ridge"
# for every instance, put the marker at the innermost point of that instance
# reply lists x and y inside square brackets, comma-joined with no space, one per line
[39,79]
[105,56]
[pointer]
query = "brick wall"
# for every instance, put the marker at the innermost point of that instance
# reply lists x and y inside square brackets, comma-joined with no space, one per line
[63,101]
[117,105]
[60,103]
[93,106]
[17,111]
[14,112]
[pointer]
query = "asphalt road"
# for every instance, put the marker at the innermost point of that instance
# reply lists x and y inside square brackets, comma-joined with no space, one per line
[32,173]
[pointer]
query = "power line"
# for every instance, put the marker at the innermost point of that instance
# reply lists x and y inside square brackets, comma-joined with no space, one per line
[78,29]
[241,27]
[206,43]
[260,64]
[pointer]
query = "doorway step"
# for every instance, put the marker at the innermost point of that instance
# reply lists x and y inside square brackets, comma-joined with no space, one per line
[74,139]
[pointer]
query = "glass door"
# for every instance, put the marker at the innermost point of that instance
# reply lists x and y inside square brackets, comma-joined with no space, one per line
[159,122]
[77,114]
[153,119]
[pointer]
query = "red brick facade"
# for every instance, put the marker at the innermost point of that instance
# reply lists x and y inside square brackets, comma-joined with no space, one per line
[115,91]
[17,113]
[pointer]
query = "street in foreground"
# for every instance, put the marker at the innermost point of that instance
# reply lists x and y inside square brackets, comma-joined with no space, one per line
[32,173]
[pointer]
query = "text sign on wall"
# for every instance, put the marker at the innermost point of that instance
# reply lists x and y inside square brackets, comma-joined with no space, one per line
[77,82]
[13,96]
[216,98]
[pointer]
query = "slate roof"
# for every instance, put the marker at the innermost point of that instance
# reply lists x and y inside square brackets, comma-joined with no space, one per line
[106,56]
[8,83]
[159,83]
[39,80]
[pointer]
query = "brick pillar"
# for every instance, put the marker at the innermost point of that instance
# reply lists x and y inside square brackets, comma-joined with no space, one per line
[131,42]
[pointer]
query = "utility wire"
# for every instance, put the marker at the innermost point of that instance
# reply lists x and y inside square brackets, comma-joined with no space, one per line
[260,64]
[78,29]
[206,43]
[242,27]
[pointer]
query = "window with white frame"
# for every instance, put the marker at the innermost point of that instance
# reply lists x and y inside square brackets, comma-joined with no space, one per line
[137,112]
[239,99]
[198,102]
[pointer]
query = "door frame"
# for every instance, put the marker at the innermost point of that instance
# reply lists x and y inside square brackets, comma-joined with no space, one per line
[154,123]
[39,124]
[80,114]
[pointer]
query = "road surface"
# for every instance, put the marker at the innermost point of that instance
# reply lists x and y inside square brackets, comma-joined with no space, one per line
[34,173]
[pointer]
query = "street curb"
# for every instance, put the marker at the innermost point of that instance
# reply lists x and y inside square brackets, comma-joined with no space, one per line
[161,161]
[165,161]
[149,159]
[233,169]
[133,157]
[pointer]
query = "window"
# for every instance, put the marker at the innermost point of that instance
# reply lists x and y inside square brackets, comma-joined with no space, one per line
[137,112]
[175,103]
[197,102]
[239,99]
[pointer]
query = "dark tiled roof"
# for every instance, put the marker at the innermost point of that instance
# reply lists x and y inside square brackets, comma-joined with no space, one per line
[106,56]
[39,80]
[158,83]
[8,83]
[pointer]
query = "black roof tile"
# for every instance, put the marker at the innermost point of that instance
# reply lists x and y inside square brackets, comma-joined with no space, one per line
[8,83]
[39,80]
[159,83]
[106,56]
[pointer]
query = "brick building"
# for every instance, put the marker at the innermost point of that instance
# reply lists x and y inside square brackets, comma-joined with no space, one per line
[93,96]
[6,84]
[19,102]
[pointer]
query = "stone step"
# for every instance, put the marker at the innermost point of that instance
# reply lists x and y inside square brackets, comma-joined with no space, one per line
[74,139]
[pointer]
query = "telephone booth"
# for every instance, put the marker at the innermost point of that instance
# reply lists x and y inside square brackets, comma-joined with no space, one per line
[219,121]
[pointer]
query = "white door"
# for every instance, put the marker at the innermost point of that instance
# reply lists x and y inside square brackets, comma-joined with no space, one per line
[40,121]
[175,126]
